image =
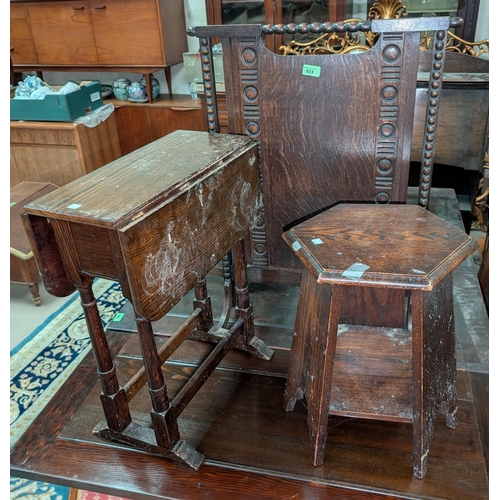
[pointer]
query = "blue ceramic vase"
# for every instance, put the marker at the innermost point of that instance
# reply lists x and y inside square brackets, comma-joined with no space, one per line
[155,86]
[137,92]
[120,88]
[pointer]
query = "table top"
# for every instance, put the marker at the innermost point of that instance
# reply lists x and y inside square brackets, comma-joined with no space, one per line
[121,191]
[380,245]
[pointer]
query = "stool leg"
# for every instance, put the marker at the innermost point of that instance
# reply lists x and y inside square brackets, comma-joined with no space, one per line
[113,397]
[300,353]
[310,372]
[434,367]
[449,404]
[164,422]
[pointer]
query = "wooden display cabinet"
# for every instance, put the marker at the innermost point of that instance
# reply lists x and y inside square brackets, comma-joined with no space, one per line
[57,152]
[142,123]
[137,36]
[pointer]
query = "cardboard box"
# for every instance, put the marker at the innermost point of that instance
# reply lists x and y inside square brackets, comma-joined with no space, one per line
[192,67]
[58,108]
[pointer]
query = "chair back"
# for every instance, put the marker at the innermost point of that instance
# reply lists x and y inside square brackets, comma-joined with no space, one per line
[330,128]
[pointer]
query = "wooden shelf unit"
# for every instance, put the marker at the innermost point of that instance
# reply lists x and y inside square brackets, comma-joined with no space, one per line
[60,152]
[142,123]
[137,36]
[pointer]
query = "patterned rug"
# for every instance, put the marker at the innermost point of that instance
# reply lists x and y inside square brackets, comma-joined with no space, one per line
[39,365]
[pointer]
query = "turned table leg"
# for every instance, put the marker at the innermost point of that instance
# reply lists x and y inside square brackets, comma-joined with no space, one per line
[248,341]
[113,397]
[164,423]
[203,301]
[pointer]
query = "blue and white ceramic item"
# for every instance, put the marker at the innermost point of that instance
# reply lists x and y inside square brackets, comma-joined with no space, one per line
[137,92]
[22,90]
[120,88]
[155,86]
[33,82]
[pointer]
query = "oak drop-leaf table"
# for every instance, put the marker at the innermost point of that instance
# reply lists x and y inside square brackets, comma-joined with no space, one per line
[157,221]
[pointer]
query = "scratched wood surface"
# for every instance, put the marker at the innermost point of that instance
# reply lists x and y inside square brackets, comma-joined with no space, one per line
[238,422]
[254,448]
[104,225]
[110,196]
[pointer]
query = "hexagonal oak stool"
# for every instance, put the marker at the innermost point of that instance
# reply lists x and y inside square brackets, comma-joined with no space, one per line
[374,333]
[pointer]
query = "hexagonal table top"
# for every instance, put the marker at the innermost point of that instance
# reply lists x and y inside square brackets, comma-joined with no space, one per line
[403,246]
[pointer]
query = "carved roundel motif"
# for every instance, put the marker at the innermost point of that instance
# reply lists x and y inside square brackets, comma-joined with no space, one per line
[252,129]
[260,222]
[250,93]
[382,198]
[384,166]
[248,56]
[387,130]
[259,249]
[389,93]
[391,53]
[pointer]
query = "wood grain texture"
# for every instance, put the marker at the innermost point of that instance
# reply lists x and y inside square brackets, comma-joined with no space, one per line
[303,116]
[171,163]
[200,196]
[99,26]
[328,148]
[133,128]
[142,36]
[20,195]
[59,153]
[23,268]
[62,32]
[46,427]
[165,121]
[364,459]
[138,19]
[461,135]
[402,246]
[21,43]
[400,374]
[141,123]
[481,388]
[178,193]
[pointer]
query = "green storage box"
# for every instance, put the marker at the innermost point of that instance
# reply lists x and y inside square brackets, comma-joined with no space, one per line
[58,108]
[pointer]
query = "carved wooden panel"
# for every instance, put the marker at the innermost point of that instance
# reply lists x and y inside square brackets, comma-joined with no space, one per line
[340,135]
[329,128]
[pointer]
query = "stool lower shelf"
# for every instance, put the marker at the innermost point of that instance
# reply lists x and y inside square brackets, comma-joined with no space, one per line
[372,373]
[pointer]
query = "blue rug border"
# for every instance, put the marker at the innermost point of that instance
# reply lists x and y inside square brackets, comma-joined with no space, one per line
[40,327]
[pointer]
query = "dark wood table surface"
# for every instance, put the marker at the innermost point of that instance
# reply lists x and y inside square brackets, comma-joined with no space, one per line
[253,448]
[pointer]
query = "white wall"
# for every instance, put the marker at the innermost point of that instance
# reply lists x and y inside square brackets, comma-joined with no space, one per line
[195,15]
[482,26]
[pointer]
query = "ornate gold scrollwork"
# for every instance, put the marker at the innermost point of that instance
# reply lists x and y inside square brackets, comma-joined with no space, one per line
[333,43]
[387,9]
[457,44]
[345,43]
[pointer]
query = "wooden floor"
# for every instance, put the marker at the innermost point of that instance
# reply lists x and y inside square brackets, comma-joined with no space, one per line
[253,448]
